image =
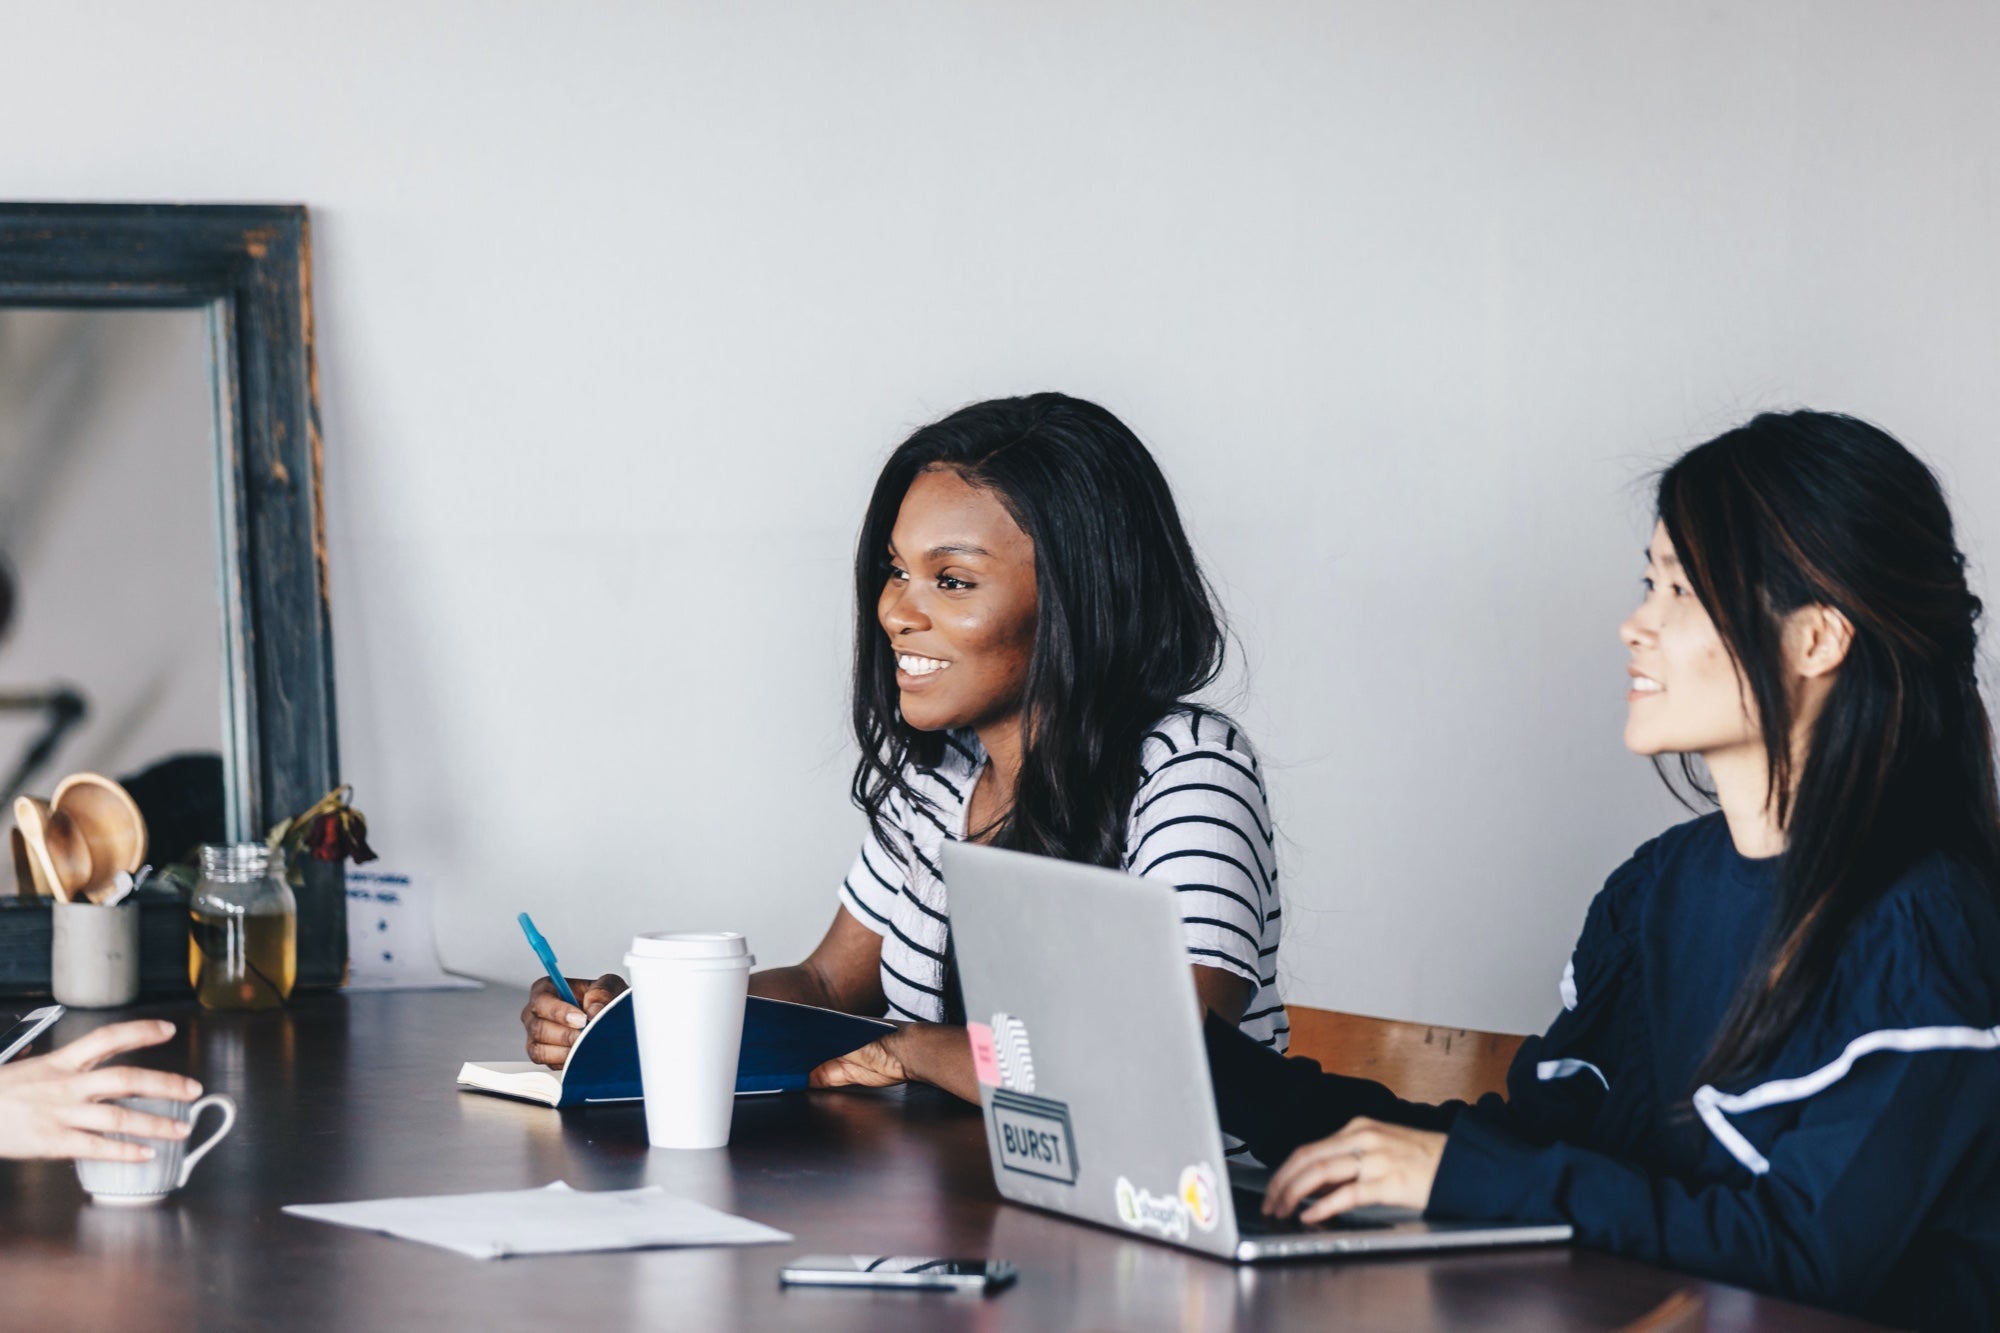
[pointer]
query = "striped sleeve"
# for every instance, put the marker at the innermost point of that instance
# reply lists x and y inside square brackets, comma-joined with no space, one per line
[870,890]
[1202,824]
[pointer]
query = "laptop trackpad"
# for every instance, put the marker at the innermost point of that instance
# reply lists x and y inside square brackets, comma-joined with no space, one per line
[1250,1219]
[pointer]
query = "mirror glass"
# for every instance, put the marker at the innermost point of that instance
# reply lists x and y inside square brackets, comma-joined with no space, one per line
[111,644]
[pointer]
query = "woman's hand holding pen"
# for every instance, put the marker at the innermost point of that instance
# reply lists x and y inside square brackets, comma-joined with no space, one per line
[553,1023]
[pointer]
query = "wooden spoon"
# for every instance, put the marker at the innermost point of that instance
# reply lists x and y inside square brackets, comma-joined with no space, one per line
[57,853]
[27,884]
[112,831]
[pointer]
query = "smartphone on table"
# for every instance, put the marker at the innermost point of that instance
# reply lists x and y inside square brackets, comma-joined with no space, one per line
[903,1271]
[15,1039]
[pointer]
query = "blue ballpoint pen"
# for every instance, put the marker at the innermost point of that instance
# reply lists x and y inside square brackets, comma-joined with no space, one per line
[548,957]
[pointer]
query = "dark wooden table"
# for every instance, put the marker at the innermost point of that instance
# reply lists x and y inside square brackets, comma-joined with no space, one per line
[352,1098]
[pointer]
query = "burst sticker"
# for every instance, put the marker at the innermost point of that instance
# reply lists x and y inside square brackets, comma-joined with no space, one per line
[1033,1136]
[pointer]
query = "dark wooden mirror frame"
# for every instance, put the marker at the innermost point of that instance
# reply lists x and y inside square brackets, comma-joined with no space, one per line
[249,267]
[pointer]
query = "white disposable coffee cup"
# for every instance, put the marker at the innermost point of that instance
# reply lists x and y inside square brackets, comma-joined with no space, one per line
[687,1004]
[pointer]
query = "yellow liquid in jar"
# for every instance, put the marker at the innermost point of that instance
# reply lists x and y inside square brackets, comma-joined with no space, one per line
[242,962]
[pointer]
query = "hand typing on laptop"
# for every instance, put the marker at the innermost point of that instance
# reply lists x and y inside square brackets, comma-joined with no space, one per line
[1367,1162]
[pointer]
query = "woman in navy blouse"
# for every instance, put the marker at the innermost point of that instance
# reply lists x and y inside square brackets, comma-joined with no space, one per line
[1777,1061]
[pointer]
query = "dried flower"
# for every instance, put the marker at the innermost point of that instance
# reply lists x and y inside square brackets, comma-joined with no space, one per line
[332,830]
[340,835]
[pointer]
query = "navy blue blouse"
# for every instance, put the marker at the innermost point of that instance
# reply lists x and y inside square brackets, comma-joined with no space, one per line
[1860,1169]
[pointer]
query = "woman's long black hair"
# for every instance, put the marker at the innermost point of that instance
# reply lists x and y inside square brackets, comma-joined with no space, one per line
[1816,509]
[1125,624]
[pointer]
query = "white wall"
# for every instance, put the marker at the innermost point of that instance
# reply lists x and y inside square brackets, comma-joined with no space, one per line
[621,305]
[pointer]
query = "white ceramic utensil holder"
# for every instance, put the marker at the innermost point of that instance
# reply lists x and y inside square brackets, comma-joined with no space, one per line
[94,955]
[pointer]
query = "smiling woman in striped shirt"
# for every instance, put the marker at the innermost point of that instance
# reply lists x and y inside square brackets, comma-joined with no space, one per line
[1031,628]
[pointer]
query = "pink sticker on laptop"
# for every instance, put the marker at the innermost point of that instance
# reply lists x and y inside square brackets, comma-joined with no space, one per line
[985,1059]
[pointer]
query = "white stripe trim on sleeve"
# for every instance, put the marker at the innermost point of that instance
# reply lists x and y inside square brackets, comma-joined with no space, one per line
[1549,1070]
[1567,986]
[1713,1105]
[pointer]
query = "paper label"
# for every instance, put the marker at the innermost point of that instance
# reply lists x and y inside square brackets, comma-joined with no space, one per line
[985,1061]
[1033,1136]
[390,940]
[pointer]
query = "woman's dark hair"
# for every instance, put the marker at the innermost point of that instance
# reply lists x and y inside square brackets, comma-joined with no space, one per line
[1815,509]
[1125,625]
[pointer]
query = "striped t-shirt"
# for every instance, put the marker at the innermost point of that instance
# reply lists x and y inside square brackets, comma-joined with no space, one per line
[1200,822]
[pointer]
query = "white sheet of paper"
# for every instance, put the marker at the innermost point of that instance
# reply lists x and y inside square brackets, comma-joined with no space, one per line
[391,943]
[552,1220]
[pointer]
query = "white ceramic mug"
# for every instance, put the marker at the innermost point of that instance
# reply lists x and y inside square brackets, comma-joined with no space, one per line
[172,1161]
[94,955]
[687,1004]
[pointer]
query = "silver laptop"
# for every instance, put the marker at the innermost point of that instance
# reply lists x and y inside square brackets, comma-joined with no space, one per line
[1093,1075]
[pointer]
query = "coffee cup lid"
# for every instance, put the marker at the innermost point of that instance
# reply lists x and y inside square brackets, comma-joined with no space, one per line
[713,944]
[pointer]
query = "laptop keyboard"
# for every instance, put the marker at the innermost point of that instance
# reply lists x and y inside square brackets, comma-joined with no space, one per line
[1250,1220]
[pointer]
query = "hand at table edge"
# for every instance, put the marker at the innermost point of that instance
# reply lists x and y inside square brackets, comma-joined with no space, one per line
[933,1053]
[61,1105]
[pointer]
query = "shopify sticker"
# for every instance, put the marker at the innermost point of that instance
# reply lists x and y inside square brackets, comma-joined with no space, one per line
[1144,1211]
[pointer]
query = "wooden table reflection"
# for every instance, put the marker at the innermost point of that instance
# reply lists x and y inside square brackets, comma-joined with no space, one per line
[352,1098]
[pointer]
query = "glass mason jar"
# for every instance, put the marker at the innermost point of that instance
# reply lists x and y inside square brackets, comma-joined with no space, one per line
[243,939]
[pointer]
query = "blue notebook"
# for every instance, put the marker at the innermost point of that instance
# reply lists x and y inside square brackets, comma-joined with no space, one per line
[782,1043]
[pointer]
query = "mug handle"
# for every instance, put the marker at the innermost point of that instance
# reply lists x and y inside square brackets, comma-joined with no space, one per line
[227,1104]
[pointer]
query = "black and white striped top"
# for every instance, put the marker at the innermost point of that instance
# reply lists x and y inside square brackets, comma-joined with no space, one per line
[1200,822]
